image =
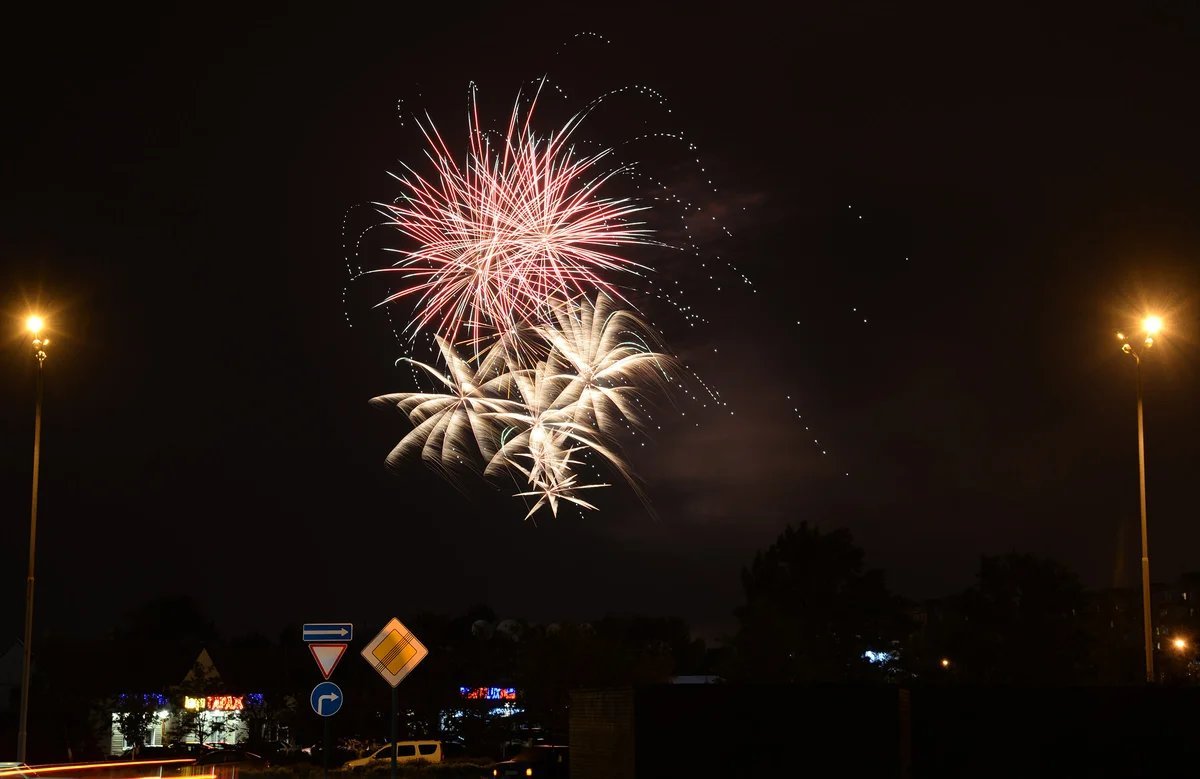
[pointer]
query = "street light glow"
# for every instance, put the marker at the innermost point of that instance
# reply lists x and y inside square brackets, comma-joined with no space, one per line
[945,662]
[1152,324]
[34,324]
[1180,644]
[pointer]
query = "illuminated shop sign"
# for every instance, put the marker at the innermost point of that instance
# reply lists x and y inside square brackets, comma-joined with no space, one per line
[488,693]
[215,703]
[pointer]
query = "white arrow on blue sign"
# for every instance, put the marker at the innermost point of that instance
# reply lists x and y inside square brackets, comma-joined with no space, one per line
[326,699]
[336,632]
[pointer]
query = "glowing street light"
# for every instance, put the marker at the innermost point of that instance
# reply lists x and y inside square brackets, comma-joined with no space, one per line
[1180,644]
[1151,325]
[34,325]
[945,662]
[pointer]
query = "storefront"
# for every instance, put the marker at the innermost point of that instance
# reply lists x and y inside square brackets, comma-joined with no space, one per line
[497,701]
[214,719]
[185,715]
[482,705]
[209,719]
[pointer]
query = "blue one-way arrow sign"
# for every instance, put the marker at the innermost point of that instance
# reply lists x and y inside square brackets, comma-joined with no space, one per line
[333,632]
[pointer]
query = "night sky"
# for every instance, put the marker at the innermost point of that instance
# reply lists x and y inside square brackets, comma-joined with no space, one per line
[945,216]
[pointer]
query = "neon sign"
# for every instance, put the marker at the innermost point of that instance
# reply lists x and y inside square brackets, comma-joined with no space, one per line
[488,693]
[215,703]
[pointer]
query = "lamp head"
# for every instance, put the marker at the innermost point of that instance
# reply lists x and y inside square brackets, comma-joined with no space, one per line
[1152,325]
[34,324]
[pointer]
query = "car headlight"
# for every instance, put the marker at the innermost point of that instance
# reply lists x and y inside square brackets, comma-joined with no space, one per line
[529,772]
[495,772]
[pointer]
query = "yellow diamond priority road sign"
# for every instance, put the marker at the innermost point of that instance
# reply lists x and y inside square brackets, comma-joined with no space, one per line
[394,652]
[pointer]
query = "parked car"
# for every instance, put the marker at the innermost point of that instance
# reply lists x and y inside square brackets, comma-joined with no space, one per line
[544,760]
[152,753]
[454,749]
[337,755]
[406,752]
[233,758]
[173,751]
[182,749]
[281,753]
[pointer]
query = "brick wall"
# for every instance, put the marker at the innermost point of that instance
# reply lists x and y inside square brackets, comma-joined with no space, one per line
[602,734]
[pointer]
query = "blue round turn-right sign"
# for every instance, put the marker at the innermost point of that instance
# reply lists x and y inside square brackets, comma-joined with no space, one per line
[326,699]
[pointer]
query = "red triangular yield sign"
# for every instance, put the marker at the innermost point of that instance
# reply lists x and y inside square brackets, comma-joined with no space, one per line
[327,656]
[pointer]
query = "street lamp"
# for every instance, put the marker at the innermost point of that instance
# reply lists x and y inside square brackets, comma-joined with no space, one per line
[34,324]
[1180,644]
[1151,325]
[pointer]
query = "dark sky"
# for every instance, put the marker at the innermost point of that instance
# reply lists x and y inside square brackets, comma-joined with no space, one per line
[174,189]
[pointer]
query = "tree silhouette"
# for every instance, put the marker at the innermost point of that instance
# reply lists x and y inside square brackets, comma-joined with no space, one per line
[1023,622]
[811,611]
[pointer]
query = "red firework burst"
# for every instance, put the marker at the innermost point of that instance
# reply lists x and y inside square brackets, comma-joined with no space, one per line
[514,227]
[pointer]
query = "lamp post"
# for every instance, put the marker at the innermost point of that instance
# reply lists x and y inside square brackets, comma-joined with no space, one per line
[34,324]
[1151,325]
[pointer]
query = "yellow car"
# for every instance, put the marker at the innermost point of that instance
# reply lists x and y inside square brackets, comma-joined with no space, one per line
[406,752]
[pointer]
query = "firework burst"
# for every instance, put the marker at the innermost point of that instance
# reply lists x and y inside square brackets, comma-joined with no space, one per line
[452,429]
[604,355]
[542,419]
[516,225]
[518,254]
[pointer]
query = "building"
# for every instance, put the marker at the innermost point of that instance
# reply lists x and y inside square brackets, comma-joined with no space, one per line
[722,730]
[200,709]
[482,715]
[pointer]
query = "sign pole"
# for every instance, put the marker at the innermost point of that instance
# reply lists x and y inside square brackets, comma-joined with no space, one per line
[393,654]
[325,752]
[395,726]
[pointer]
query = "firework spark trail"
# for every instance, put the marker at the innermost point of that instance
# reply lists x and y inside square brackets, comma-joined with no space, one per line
[507,231]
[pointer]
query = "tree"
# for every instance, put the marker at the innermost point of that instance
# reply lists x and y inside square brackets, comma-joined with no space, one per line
[265,716]
[191,716]
[812,612]
[192,722]
[1023,622]
[134,717]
